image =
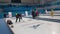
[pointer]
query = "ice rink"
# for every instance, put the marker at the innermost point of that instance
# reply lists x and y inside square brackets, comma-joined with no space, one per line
[41,25]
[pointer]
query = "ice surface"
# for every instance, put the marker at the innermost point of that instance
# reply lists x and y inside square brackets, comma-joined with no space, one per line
[43,27]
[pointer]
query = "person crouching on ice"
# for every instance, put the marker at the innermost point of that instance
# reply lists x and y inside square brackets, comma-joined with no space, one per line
[9,22]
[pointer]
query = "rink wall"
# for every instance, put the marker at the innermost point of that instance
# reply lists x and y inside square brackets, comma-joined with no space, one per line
[56,12]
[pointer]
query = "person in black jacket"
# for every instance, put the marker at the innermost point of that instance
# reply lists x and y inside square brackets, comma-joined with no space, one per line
[17,17]
[20,17]
[33,14]
[5,15]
